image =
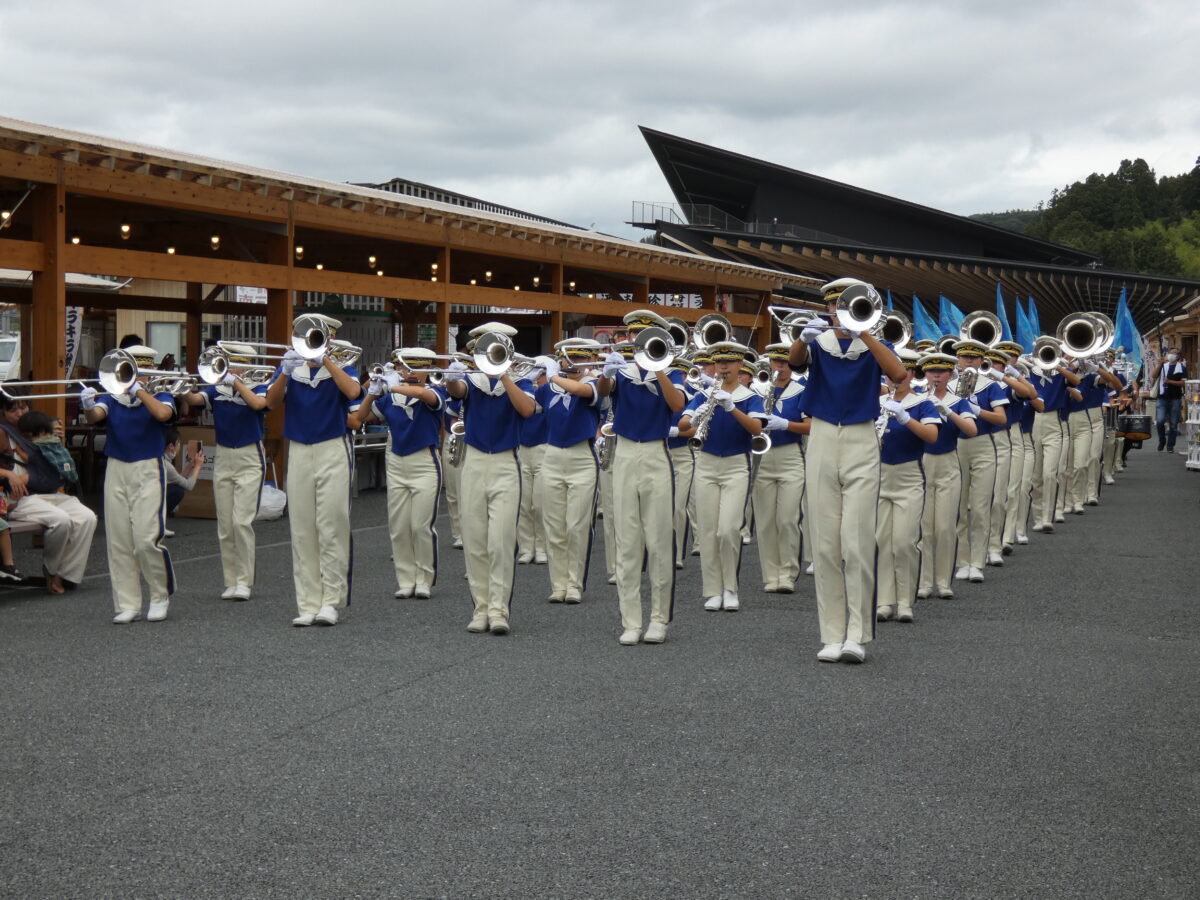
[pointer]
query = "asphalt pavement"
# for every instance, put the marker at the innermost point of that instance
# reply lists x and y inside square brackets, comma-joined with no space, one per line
[1035,736]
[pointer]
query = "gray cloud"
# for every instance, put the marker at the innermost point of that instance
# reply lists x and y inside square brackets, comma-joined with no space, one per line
[957,105]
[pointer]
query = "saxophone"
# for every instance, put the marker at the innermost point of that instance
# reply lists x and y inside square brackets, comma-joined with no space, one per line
[455,445]
[606,443]
[702,419]
[881,423]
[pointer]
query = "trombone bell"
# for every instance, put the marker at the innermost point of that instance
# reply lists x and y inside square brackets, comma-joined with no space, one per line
[653,349]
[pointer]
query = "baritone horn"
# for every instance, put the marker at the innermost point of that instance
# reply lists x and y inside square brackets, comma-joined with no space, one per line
[981,326]
[896,328]
[1085,334]
[711,329]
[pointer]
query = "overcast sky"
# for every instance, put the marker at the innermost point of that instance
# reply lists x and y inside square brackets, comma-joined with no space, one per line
[963,106]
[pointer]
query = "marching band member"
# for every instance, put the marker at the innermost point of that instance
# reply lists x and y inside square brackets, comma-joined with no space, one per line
[977,462]
[452,475]
[1079,430]
[1085,487]
[702,359]
[490,497]
[745,377]
[318,397]
[910,422]
[683,463]
[779,482]
[531,531]
[625,349]
[722,478]
[1115,402]
[238,410]
[1051,386]
[643,485]
[412,411]
[1009,451]
[569,471]
[943,478]
[135,492]
[842,476]
[1025,490]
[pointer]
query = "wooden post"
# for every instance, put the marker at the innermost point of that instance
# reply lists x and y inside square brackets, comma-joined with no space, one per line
[442,309]
[641,293]
[48,317]
[192,339]
[556,316]
[280,313]
[708,296]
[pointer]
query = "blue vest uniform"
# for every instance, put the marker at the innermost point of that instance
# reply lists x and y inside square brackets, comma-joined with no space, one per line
[569,419]
[899,444]
[316,411]
[493,423]
[639,411]
[842,391]
[235,423]
[726,436]
[133,434]
[414,425]
[948,433]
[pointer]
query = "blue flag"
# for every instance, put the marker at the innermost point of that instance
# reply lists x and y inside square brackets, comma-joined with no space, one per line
[1033,318]
[949,316]
[1005,331]
[1026,334]
[924,328]
[1127,336]
[889,293]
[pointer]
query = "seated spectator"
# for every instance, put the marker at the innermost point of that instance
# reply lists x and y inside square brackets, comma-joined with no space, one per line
[179,483]
[37,494]
[9,573]
[46,433]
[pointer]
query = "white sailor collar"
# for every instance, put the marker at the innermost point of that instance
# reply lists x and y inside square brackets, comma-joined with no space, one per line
[741,393]
[303,374]
[483,383]
[791,389]
[830,344]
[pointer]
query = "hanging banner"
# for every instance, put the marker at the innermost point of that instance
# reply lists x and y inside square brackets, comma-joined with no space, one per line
[74,334]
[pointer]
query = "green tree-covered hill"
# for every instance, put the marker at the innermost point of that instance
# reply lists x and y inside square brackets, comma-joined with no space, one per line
[1131,218]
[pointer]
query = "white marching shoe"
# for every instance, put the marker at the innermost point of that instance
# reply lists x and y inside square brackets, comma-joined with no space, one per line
[327,615]
[629,637]
[995,559]
[713,604]
[830,653]
[963,573]
[729,601]
[124,618]
[853,652]
[303,620]
[655,634]
[157,611]
[976,575]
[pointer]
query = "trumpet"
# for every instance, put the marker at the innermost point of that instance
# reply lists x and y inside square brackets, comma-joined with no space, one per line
[311,339]
[119,374]
[213,366]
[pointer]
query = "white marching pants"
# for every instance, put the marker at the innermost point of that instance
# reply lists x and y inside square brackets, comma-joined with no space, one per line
[977,465]
[644,512]
[1063,476]
[901,503]
[939,519]
[237,488]
[318,488]
[1047,449]
[842,481]
[721,484]
[1092,480]
[568,502]
[451,478]
[70,527]
[684,464]
[413,485]
[1004,461]
[1109,467]
[1019,477]
[135,499]
[1079,424]
[531,531]
[490,503]
[778,492]
[610,516]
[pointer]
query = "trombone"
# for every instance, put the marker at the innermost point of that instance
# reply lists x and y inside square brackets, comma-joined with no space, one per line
[5,385]
[119,373]
[311,339]
[213,366]
[859,308]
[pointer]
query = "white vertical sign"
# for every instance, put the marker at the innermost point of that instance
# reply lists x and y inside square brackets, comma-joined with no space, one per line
[74,333]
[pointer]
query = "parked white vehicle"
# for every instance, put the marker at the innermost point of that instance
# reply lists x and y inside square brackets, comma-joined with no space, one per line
[10,356]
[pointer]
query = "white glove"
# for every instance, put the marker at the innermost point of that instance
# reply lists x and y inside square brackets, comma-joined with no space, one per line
[706,380]
[87,398]
[897,410]
[1012,371]
[723,399]
[291,362]
[974,407]
[776,423]
[392,379]
[673,431]
[613,363]
[810,334]
[456,371]
[389,367]
[376,387]
[552,367]
[942,406]
[230,380]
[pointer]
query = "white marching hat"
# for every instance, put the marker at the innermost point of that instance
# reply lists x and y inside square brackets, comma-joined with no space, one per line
[498,327]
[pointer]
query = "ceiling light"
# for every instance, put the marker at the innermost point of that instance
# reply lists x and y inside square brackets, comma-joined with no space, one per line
[299,251]
[171,250]
[215,240]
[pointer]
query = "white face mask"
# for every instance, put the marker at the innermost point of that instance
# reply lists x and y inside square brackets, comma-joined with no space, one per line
[1171,357]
